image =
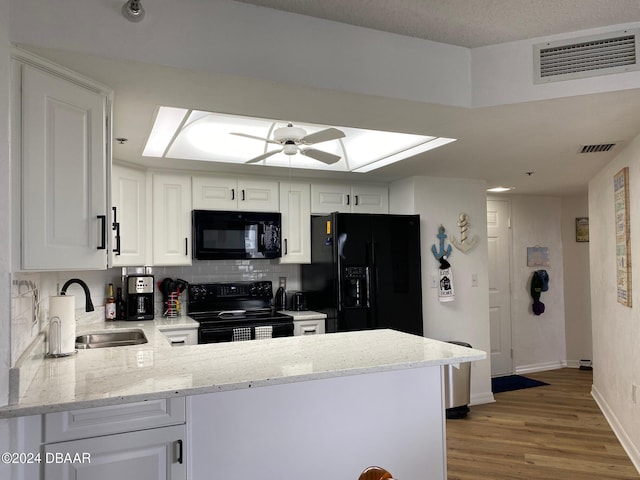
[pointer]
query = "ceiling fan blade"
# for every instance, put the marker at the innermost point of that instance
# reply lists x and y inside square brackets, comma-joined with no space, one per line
[254,137]
[324,157]
[263,156]
[322,136]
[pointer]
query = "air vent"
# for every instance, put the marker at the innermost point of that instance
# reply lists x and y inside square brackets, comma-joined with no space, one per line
[603,147]
[615,52]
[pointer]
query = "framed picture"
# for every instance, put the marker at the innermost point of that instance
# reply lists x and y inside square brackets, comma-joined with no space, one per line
[538,257]
[582,229]
[623,247]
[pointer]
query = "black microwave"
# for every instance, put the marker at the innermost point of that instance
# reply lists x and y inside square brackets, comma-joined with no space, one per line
[225,235]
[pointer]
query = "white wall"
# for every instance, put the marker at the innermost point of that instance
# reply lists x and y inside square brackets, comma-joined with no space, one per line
[538,340]
[616,328]
[440,201]
[239,39]
[503,73]
[577,311]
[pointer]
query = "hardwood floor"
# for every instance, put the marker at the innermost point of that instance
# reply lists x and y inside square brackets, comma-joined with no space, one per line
[551,432]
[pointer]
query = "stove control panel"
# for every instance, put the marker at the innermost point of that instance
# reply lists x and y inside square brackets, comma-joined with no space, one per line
[211,292]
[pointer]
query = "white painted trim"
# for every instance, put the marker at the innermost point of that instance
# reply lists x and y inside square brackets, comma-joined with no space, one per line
[618,429]
[481,398]
[541,367]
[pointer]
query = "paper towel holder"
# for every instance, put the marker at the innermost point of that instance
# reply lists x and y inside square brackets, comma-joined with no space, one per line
[52,353]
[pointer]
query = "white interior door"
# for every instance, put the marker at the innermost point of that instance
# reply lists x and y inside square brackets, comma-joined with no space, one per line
[499,242]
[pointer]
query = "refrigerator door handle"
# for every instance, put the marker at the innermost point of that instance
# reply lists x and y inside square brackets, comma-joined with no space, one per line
[367,276]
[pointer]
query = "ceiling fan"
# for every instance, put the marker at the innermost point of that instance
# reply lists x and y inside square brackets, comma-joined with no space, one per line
[293,138]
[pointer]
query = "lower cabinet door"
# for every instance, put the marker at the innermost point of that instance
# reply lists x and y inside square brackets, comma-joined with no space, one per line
[154,454]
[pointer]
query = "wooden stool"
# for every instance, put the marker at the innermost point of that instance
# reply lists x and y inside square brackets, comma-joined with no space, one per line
[375,473]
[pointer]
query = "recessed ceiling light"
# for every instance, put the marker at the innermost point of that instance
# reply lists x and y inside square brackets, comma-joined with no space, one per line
[499,189]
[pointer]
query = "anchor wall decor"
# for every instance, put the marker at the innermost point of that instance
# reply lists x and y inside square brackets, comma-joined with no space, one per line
[443,251]
[465,244]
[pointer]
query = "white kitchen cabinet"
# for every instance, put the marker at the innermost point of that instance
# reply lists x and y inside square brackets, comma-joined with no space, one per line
[171,215]
[111,419]
[309,326]
[181,336]
[154,454]
[327,198]
[230,193]
[129,200]
[141,440]
[295,208]
[62,161]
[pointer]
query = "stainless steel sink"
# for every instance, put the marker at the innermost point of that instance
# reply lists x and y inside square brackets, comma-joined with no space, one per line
[110,339]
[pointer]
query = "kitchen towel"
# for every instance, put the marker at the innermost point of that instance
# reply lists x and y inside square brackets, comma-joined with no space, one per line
[241,333]
[64,307]
[264,332]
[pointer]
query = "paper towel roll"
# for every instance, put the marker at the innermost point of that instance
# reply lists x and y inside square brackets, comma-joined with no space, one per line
[64,307]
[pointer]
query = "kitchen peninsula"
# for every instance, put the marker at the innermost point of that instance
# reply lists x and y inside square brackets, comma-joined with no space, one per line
[294,407]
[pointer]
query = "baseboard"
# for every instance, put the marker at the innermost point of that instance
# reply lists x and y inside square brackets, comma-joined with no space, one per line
[541,367]
[618,429]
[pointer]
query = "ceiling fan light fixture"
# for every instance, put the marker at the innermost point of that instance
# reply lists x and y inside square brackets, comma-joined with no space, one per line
[290,148]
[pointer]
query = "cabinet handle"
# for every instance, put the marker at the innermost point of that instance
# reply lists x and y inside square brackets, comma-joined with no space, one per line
[356,197]
[285,246]
[243,198]
[116,227]
[178,342]
[233,194]
[309,330]
[179,444]
[186,246]
[348,198]
[103,234]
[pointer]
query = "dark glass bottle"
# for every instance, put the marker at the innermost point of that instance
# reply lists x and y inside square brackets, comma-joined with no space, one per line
[121,306]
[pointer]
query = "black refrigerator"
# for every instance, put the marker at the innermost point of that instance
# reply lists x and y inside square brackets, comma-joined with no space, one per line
[365,272]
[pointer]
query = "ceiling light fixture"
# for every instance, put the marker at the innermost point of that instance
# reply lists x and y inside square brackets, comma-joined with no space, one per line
[180,133]
[499,189]
[133,11]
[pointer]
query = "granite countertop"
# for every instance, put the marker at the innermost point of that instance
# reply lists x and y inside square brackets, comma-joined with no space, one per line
[108,376]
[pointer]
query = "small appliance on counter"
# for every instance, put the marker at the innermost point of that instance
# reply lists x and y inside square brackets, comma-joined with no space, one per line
[298,302]
[140,297]
[280,298]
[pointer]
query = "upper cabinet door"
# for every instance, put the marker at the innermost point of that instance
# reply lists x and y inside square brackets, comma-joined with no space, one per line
[129,200]
[259,195]
[64,174]
[327,198]
[295,207]
[370,199]
[215,193]
[171,219]
[230,193]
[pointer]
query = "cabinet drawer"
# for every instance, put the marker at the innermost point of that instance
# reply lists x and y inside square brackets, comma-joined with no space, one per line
[92,422]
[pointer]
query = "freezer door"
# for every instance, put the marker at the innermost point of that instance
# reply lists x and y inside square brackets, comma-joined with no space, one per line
[396,279]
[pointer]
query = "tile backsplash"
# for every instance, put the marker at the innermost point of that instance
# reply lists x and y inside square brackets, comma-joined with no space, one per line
[30,292]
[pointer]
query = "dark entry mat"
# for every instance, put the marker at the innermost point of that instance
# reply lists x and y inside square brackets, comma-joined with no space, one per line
[513,382]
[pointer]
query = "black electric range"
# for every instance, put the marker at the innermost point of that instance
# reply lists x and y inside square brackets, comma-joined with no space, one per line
[236,311]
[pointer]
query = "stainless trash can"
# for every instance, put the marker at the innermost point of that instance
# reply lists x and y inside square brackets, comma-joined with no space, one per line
[457,387]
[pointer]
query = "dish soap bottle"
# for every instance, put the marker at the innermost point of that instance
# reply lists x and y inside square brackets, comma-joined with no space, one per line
[110,304]
[280,300]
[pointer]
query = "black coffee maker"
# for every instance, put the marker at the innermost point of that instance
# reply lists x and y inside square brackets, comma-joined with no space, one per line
[139,290]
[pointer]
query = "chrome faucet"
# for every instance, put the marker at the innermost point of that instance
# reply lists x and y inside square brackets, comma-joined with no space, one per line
[87,294]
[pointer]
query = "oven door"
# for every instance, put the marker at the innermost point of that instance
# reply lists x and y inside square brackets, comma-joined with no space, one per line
[211,333]
[221,235]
